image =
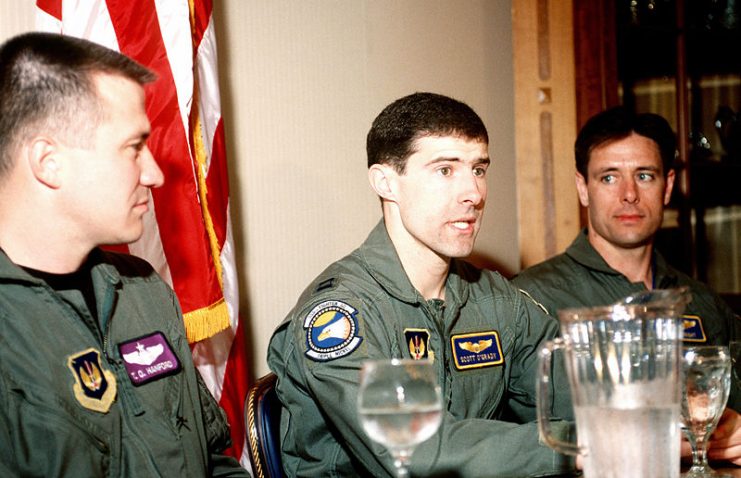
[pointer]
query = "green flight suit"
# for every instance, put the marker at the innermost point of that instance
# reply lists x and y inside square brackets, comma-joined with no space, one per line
[74,404]
[367,300]
[580,277]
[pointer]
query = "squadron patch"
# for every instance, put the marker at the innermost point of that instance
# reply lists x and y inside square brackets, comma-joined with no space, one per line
[476,350]
[148,358]
[94,387]
[418,341]
[693,331]
[331,330]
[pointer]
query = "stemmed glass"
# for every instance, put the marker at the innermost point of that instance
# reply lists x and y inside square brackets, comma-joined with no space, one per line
[735,349]
[707,385]
[399,405]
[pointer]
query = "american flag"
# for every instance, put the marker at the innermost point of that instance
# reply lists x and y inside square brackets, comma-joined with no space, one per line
[188,236]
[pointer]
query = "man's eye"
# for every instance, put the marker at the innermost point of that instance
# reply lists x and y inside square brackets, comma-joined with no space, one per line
[445,170]
[608,178]
[479,171]
[646,176]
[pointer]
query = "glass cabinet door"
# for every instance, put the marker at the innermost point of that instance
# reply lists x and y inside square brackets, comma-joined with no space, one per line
[680,59]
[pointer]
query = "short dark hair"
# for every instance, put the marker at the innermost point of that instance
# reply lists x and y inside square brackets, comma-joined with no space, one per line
[391,139]
[618,123]
[46,84]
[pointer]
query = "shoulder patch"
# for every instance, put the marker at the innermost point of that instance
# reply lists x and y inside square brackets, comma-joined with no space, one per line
[331,330]
[693,330]
[476,350]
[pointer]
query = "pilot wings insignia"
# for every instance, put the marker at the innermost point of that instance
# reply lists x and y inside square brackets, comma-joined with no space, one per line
[693,329]
[476,347]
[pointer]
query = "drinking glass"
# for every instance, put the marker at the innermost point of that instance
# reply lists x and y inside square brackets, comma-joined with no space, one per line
[399,405]
[707,385]
[735,349]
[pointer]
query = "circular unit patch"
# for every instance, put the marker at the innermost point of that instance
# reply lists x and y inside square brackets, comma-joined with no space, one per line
[331,330]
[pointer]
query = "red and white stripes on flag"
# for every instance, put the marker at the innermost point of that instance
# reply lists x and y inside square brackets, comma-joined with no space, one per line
[188,235]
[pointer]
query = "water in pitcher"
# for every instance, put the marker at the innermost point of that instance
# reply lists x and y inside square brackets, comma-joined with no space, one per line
[639,440]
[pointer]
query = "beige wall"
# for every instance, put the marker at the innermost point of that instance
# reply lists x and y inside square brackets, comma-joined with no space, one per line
[301,83]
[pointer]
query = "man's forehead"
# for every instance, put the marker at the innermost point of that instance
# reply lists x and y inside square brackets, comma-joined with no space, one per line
[635,150]
[441,141]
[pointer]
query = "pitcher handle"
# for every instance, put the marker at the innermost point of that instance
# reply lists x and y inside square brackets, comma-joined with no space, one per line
[544,400]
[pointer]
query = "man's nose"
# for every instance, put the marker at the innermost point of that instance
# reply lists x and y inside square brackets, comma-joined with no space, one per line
[473,190]
[151,175]
[630,191]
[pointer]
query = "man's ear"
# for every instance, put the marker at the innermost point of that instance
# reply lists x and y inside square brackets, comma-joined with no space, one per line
[42,155]
[581,189]
[670,178]
[381,177]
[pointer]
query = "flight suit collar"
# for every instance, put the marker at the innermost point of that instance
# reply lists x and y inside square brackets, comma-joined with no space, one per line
[105,276]
[101,270]
[383,263]
[583,253]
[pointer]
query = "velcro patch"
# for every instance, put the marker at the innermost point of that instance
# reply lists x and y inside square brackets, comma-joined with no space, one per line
[476,350]
[418,341]
[331,330]
[94,387]
[693,330]
[149,358]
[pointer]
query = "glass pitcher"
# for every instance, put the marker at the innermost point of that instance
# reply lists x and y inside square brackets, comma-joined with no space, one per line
[623,365]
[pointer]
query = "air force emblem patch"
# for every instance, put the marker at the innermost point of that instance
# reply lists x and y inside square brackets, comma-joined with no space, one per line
[693,331]
[476,350]
[331,330]
[418,341]
[94,387]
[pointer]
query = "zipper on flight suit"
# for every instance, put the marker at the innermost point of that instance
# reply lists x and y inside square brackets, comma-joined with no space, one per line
[435,310]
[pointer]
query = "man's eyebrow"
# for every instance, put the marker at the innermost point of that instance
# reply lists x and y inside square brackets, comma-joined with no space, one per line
[455,159]
[608,169]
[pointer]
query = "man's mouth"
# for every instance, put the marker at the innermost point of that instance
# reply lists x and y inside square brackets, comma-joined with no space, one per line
[629,217]
[463,225]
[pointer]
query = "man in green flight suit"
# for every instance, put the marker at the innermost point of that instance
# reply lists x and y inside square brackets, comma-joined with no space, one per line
[96,376]
[405,293]
[624,178]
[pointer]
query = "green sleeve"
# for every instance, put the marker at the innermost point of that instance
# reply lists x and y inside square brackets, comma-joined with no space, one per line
[217,434]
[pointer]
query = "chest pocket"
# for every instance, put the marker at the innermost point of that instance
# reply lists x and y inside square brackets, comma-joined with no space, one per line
[50,436]
[477,368]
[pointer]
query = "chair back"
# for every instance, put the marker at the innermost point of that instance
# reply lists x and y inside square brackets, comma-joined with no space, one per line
[262,412]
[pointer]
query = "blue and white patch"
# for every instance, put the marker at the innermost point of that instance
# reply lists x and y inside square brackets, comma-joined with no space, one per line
[476,350]
[331,330]
[693,330]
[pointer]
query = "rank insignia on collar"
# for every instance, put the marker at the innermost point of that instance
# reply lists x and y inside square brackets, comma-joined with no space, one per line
[418,341]
[476,350]
[331,330]
[94,387]
[693,331]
